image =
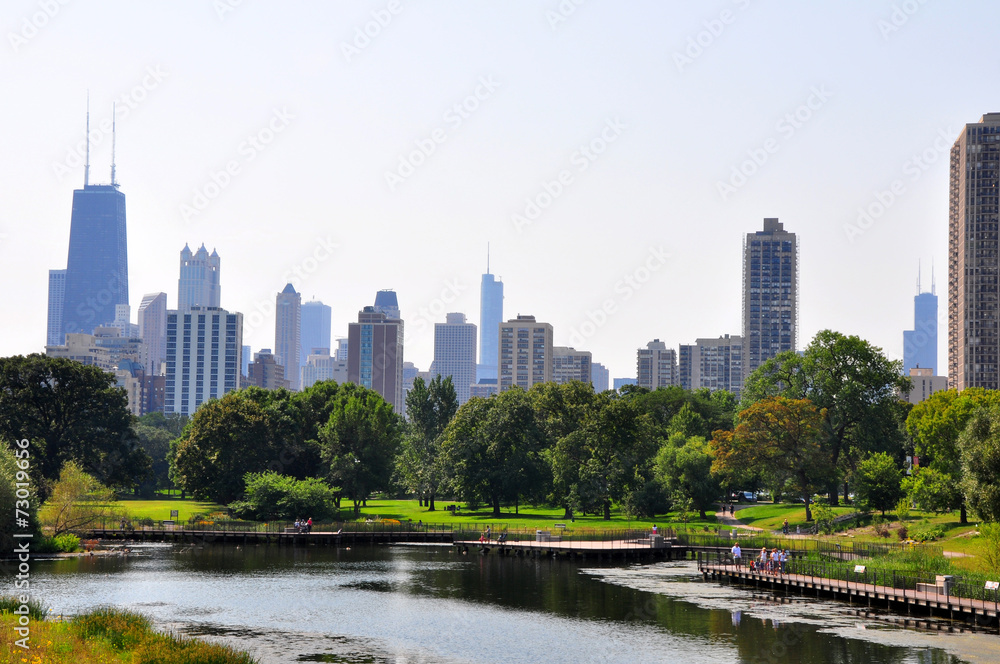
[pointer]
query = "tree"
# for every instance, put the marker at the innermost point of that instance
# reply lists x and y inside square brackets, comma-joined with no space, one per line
[14,464]
[979,445]
[693,412]
[778,435]
[684,467]
[246,431]
[78,501]
[877,482]
[69,412]
[856,386]
[156,443]
[561,409]
[359,443]
[934,426]
[429,408]
[273,496]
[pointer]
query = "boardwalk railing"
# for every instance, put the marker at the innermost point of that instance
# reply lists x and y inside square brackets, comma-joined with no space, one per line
[848,550]
[272,527]
[565,537]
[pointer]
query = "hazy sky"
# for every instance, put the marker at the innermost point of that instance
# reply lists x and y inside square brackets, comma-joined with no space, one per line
[355,146]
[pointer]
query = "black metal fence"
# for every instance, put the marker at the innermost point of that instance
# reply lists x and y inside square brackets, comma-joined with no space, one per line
[845,550]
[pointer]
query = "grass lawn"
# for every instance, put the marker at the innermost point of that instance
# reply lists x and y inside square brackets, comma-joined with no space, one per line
[770,517]
[160,509]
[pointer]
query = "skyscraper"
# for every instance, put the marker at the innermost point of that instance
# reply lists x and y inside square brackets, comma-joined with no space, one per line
[55,336]
[525,353]
[153,330]
[288,334]
[316,322]
[920,344]
[715,364]
[455,353]
[265,373]
[770,294]
[490,317]
[656,365]
[375,355]
[973,247]
[385,302]
[199,284]
[204,356]
[600,377]
[569,364]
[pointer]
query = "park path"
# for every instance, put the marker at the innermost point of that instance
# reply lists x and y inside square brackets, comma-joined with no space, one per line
[732,522]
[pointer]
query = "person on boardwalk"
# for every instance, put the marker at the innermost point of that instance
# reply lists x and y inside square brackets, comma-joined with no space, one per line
[309,525]
[487,533]
[762,559]
[654,528]
[737,555]
[784,527]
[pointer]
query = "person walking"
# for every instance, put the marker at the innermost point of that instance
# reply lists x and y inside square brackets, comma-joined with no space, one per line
[737,555]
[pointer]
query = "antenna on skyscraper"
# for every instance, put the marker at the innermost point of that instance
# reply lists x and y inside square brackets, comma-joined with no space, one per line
[933,287]
[918,276]
[86,166]
[113,183]
[487,258]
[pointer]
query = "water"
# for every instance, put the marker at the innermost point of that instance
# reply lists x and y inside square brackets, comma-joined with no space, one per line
[407,604]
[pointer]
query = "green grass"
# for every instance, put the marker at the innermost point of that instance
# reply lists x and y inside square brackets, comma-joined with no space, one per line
[159,510]
[770,517]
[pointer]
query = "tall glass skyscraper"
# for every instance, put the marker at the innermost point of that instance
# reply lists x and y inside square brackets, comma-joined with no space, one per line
[920,344]
[288,334]
[97,266]
[316,320]
[770,294]
[490,317]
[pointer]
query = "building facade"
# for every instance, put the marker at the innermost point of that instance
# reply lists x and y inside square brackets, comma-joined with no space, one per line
[770,294]
[316,328]
[55,335]
[524,356]
[713,364]
[569,364]
[199,284]
[375,355]
[656,366]
[490,318]
[455,353]
[322,366]
[153,330]
[265,372]
[920,344]
[288,334]
[973,248]
[600,377]
[204,356]
[925,383]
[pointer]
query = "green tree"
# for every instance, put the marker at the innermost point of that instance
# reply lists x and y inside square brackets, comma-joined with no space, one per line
[69,412]
[692,412]
[78,502]
[359,443]
[156,443]
[684,467]
[877,482]
[273,496]
[14,464]
[855,385]
[429,408]
[561,409]
[979,445]
[778,435]
[933,490]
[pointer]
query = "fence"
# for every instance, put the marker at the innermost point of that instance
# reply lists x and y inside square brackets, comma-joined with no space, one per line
[847,550]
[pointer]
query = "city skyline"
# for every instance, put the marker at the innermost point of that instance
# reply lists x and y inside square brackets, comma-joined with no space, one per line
[625,195]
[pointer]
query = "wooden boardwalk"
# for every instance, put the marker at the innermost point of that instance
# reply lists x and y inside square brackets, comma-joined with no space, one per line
[314,538]
[629,549]
[878,596]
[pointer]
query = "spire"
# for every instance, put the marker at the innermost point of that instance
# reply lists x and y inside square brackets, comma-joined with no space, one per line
[113,183]
[487,258]
[933,287]
[86,165]
[918,277]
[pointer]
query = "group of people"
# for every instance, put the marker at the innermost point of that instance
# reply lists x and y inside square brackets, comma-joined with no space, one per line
[773,562]
[304,525]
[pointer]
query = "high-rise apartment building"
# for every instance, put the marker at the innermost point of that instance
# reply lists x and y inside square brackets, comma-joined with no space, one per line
[199,284]
[600,377]
[524,356]
[455,353]
[973,250]
[925,383]
[656,366]
[204,356]
[920,344]
[322,366]
[375,355]
[770,294]
[153,330]
[316,324]
[55,335]
[288,334]
[569,364]
[715,364]
[490,317]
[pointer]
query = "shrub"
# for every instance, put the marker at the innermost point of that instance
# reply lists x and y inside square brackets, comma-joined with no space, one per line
[928,533]
[902,533]
[36,609]
[273,496]
[122,629]
[169,649]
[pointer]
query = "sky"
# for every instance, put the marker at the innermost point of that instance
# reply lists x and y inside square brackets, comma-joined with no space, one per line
[612,154]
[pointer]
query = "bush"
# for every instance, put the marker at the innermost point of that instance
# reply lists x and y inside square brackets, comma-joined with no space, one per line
[36,609]
[123,630]
[902,534]
[928,533]
[168,649]
[273,496]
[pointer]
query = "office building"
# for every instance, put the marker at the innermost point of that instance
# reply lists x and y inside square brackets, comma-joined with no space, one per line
[288,334]
[265,372]
[455,353]
[316,324]
[525,353]
[925,383]
[920,344]
[619,383]
[484,389]
[656,366]
[569,364]
[973,248]
[713,364]
[204,356]
[490,317]
[153,331]
[83,348]
[245,358]
[386,303]
[320,366]
[770,294]
[600,377]
[375,355]
[199,284]
[54,334]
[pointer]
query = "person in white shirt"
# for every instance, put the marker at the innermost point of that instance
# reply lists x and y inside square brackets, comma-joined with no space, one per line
[737,554]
